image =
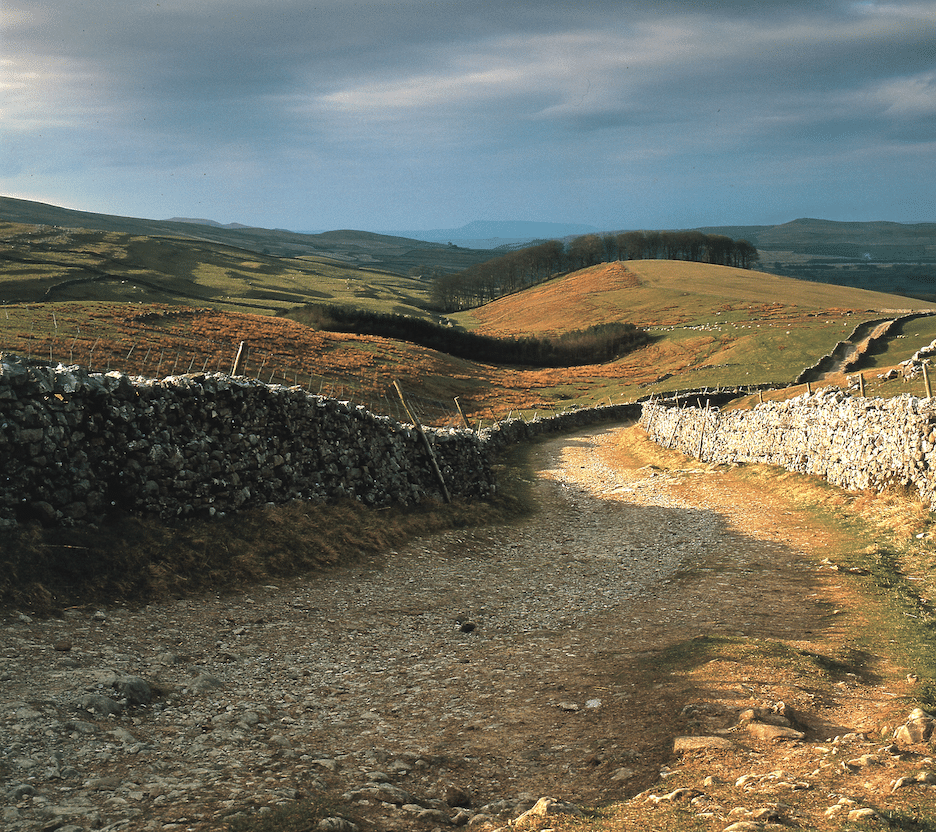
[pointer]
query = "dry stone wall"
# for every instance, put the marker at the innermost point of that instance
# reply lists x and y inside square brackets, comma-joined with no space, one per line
[76,447]
[852,442]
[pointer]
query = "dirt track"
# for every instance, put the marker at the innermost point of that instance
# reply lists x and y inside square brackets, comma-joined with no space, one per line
[511,662]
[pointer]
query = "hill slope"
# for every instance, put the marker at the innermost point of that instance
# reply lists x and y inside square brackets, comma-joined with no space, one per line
[664,292]
[359,248]
[47,263]
[805,235]
[890,257]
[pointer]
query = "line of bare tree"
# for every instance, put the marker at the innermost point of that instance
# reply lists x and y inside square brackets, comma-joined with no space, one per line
[528,266]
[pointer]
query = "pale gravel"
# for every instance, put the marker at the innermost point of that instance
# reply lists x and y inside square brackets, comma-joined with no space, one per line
[326,679]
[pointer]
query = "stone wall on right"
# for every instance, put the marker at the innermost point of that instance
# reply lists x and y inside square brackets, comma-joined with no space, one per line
[856,443]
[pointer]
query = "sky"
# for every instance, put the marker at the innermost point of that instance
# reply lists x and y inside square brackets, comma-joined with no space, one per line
[421,114]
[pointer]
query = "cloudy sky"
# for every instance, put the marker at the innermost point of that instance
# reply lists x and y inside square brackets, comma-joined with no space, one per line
[415,114]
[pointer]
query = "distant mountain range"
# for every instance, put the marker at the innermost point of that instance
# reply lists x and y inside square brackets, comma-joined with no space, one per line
[493,234]
[196,221]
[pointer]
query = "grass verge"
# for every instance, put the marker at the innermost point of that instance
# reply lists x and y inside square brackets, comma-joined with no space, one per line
[135,560]
[892,553]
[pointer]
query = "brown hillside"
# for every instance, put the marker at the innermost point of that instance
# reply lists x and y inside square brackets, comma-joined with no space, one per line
[667,293]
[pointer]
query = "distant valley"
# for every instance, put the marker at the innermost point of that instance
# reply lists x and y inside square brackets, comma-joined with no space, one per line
[891,257]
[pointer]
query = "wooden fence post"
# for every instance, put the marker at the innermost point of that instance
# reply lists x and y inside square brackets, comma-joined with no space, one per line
[672,439]
[462,413]
[702,430]
[432,458]
[652,413]
[926,382]
[240,359]
[861,384]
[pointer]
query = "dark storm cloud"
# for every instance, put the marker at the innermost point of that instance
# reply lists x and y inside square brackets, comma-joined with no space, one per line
[385,114]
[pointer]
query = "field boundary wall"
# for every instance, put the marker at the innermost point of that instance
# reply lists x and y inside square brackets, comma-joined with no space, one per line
[77,447]
[852,442]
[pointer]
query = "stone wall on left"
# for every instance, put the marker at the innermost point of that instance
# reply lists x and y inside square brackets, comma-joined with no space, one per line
[77,446]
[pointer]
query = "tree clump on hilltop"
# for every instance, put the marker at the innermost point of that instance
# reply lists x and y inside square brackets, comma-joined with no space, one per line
[524,267]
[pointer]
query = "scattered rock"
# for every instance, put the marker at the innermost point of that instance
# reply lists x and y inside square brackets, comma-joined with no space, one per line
[102,705]
[457,797]
[545,807]
[865,814]
[918,728]
[681,744]
[773,733]
[336,825]
[205,681]
[134,689]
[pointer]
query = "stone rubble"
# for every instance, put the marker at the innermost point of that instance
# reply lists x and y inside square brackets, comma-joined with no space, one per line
[358,682]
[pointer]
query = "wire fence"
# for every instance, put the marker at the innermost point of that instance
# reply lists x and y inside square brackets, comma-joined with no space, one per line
[153,346]
[150,351]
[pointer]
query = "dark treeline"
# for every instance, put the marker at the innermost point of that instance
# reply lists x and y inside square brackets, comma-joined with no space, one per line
[594,345]
[524,267]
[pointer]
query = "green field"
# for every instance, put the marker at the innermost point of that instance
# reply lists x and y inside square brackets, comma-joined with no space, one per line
[59,264]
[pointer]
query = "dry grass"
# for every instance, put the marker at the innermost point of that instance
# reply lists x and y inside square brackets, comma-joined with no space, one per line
[134,560]
[712,326]
[661,293]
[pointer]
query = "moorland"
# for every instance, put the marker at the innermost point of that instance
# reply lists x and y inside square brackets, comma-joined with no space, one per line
[160,298]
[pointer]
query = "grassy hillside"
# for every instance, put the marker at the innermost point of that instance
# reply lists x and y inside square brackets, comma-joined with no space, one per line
[352,248]
[123,296]
[713,325]
[812,235]
[667,293]
[893,257]
[710,325]
[157,340]
[60,264]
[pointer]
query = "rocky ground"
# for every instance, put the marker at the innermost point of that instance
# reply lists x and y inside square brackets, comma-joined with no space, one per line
[459,680]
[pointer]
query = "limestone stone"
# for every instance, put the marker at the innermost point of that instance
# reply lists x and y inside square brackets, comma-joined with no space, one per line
[692,743]
[773,733]
[544,807]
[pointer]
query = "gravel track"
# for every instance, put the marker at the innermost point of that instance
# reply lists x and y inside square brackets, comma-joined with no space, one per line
[497,661]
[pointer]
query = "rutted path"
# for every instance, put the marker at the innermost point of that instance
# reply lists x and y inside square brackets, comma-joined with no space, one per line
[847,353]
[484,667]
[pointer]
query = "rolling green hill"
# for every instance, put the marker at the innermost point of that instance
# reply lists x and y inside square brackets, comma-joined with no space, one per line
[352,248]
[50,263]
[83,282]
